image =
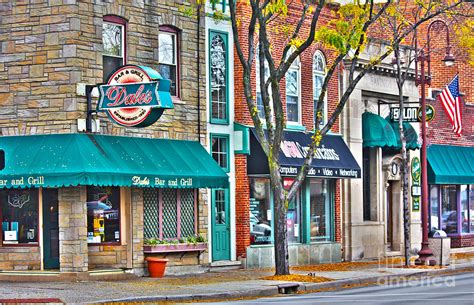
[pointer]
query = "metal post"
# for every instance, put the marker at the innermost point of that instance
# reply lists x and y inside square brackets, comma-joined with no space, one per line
[425,254]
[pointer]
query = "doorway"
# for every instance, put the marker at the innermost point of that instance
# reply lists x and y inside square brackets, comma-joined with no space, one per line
[220,216]
[50,229]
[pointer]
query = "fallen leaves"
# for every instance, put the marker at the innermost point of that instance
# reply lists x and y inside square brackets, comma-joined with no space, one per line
[298,278]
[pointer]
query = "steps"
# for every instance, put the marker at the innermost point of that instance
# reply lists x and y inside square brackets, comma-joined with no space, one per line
[224,266]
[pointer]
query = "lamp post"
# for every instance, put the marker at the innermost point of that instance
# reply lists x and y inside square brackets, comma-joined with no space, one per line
[426,253]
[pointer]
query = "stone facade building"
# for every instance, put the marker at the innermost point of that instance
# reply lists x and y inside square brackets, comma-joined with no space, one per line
[50,51]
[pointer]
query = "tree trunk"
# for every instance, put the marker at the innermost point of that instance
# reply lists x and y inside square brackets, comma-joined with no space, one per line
[281,241]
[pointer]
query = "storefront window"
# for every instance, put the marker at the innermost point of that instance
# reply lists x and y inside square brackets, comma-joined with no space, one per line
[449,209]
[464,209]
[260,212]
[434,210]
[320,210]
[169,213]
[293,220]
[19,214]
[103,214]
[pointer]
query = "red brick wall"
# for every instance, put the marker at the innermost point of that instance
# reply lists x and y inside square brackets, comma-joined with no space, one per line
[242,113]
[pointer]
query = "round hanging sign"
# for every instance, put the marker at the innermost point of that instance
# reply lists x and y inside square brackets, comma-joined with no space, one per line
[131,97]
[430,113]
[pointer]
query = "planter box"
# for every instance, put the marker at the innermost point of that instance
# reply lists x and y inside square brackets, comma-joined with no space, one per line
[200,247]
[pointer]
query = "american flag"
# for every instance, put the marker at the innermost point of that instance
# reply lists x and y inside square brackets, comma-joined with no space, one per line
[451,102]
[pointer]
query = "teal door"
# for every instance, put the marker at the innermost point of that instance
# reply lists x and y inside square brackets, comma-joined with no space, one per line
[220,225]
[50,229]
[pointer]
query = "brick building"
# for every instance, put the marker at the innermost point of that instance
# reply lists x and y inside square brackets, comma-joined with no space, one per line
[82,202]
[451,180]
[314,216]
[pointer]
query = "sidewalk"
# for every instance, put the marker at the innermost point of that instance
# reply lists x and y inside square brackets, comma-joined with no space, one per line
[226,284]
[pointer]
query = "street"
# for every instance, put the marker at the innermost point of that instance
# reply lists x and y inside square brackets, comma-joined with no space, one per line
[455,289]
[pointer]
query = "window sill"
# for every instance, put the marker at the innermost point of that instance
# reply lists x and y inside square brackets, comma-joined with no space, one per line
[104,244]
[176,100]
[18,245]
[295,127]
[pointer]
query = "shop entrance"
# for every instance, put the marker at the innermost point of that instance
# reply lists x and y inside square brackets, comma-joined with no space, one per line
[220,225]
[50,229]
[394,217]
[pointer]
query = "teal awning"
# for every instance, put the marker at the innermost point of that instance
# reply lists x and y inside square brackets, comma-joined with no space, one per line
[411,135]
[86,159]
[377,132]
[450,164]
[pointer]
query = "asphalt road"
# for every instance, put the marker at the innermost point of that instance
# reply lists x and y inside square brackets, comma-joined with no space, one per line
[452,290]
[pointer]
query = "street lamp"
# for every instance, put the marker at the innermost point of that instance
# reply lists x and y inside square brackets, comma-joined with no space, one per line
[425,254]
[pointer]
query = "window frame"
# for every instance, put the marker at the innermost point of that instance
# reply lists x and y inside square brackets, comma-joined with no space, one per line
[295,66]
[219,2]
[109,243]
[222,136]
[225,36]
[39,203]
[330,204]
[159,203]
[322,74]
[261,114]
[169,29]
[116,20]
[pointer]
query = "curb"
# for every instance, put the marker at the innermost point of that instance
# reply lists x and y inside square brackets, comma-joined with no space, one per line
[273,289]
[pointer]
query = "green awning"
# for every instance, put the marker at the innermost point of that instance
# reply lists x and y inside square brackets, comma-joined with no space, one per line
[411,135]
[377,132]
[450,164]
[86,159]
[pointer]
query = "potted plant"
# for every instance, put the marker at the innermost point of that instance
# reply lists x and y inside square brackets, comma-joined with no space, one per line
[185,244]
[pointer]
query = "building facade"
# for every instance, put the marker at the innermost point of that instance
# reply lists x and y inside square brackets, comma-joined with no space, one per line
[314,216]
[373,206]
[61,210]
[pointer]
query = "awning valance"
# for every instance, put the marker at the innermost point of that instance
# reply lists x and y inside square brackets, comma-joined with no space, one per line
[333,158]
[450,164]
[87,159]
[410,133]
[377,132]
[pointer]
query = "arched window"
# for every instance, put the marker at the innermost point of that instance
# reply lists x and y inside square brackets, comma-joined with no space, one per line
[293,92]
[319,74]
[260,107]
[114,44]
[218,77]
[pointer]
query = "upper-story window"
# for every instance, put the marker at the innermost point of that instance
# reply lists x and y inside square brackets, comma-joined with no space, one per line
[168,51]
[218,77]
[219,5]
[319,74]
[293,93]
[114,44]
[260,107]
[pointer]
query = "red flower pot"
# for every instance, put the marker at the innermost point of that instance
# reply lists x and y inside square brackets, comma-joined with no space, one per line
[156,266]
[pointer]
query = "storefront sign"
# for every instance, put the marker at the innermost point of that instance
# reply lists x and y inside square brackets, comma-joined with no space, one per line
[416,190]
[158,182]
[30,181]
[321,172]
[131,98]
[415,169]
[430,113]
[416,204]
[292,149]
[410,114]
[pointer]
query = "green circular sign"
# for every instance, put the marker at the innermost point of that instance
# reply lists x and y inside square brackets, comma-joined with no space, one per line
[415,169]
[430,113]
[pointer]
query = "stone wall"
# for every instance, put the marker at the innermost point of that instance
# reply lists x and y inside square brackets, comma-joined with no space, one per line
[20,258]
[107,256]
[48,47]
[73,250]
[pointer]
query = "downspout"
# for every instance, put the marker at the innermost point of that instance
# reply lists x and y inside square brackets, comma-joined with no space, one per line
[198,47]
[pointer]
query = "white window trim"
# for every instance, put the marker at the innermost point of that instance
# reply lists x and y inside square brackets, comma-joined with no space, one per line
[175,49]
[295,66]
[122,40]
[257,87]
[323,74]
